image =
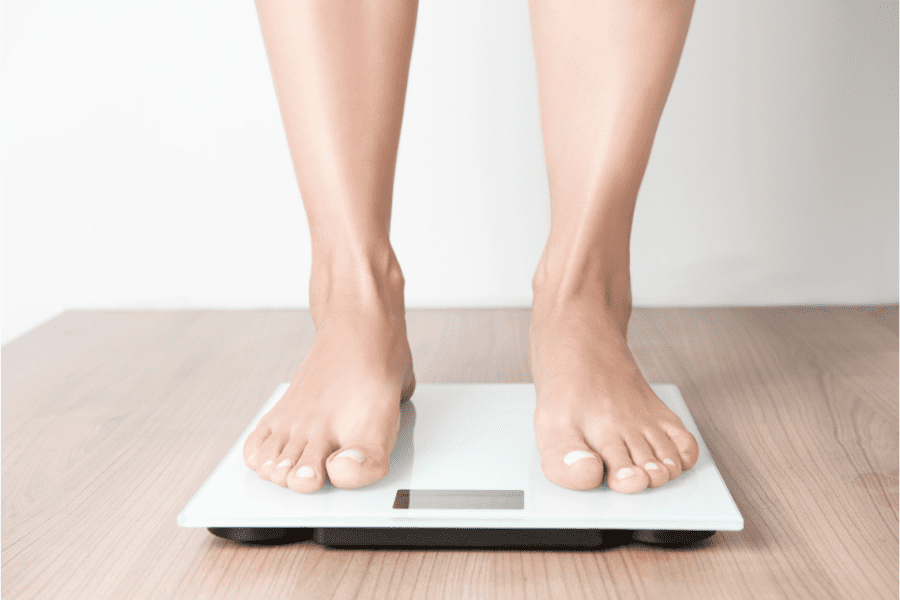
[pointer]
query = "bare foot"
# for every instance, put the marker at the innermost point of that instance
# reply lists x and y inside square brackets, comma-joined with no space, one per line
[594,407]
[341,413]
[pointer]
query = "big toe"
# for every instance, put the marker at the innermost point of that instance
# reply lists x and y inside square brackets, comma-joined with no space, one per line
[569,462]
[357,465]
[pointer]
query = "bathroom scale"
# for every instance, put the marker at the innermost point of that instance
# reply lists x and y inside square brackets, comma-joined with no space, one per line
[465,472]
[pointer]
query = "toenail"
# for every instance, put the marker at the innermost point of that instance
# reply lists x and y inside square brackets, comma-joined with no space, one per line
[305,472]
[624,473]
[576,455]
[651,466]
[268,462]
[670,462]
[284,463]
[354,454]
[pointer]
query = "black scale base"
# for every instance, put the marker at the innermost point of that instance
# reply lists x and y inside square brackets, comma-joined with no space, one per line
[448,537]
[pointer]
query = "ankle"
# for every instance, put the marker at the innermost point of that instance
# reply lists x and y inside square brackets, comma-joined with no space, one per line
[606,285]
[370,278]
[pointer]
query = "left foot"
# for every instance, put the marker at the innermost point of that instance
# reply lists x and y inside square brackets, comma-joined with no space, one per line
[594,407]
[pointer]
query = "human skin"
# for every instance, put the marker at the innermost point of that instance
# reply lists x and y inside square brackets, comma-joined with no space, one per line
[605,69]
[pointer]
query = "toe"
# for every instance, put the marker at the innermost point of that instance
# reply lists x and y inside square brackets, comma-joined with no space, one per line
[285,462]
[254,442]
[571,463]
[687,446]
[308,473]
[357,465]
[622,474]
[642,454]
[666,452]
[268,454]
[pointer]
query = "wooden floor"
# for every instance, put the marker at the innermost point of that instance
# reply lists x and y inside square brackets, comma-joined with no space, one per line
[112,420]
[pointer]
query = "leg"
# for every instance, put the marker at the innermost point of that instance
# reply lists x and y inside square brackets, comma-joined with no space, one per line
[340,71]
[605,68]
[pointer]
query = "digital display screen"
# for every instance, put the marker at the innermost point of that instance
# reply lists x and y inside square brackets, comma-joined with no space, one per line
[463,499]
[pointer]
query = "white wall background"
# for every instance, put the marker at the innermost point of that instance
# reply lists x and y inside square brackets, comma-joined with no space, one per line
[145,165]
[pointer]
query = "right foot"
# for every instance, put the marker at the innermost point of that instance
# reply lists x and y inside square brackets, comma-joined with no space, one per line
[341,413]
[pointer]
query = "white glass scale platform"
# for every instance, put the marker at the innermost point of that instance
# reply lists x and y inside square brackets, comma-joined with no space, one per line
[465,472]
